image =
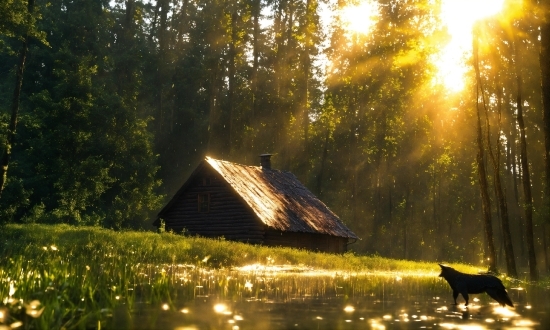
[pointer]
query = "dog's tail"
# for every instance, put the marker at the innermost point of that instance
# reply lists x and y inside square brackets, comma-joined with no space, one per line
[500,295]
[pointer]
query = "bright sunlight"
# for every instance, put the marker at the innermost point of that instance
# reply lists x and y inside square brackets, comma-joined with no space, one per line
[460,16]
[359,18]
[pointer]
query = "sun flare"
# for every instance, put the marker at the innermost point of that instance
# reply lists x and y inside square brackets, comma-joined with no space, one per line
[459,16]
[359,18]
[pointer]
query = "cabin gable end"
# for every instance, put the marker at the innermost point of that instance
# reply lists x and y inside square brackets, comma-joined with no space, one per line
[209,207]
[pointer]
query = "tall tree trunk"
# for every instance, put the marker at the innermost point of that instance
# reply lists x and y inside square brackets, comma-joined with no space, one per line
[545,244]
[279,25]
[306,65]
[485,201]
[213,116]
[129,19]
[288,57]
[353,158]
[321,173]
[123,67]
[182,25]
[256,10]
[10,138]
[380,173]
[407,216]
[544,55]
[526,180]
[154,24]
[503,206]
[513,174]
[434,195]
[162,57]
[231,81]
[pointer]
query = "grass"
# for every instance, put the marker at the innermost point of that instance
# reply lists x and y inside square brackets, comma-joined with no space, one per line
[58,276]
[149,247]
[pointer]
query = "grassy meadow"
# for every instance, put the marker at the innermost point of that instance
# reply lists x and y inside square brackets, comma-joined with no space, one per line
[58,276]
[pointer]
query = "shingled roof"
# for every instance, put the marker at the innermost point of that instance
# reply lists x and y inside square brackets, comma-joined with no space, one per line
[278,199]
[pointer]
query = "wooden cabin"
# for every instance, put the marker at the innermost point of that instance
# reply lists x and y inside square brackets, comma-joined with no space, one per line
[254,204]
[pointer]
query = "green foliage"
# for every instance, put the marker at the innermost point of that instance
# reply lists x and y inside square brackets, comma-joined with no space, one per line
[121,100]
[16,23]
[86,155]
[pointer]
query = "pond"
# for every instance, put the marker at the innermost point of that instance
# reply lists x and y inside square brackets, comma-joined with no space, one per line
[288,298]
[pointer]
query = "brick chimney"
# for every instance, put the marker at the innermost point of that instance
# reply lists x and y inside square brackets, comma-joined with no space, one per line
[265,161]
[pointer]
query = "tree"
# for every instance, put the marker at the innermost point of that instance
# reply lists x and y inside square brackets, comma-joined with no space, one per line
[503,205]
[482,176]
[526,177]
[376,84]
[85,155]
[544,55]
[494,46]
[27,27]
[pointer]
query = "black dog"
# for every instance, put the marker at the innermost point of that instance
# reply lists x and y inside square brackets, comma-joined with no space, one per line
[467,283]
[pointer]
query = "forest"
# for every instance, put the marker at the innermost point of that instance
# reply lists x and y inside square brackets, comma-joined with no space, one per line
[106,107]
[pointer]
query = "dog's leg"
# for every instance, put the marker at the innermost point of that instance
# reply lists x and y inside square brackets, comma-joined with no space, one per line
[455,295]
[465,295]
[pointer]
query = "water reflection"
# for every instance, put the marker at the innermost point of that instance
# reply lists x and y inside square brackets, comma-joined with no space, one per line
[306,300]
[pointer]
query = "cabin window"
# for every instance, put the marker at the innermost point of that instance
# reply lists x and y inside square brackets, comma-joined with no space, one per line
[206,181]
[204,202]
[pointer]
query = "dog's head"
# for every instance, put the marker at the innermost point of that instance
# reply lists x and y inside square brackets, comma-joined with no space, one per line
[444,270]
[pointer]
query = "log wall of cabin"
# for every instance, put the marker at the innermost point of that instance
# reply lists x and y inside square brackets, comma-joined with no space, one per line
[314,242]
[227,215]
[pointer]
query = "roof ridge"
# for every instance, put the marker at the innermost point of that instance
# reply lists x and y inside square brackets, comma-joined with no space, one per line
[246,165]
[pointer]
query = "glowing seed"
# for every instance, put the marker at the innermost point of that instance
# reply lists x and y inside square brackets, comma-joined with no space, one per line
[524,323]
[12,289]
[349,309]
[220,308]
[35,313]
[16,325]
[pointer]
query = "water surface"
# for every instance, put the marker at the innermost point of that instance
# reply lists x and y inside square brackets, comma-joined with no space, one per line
[252,299]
